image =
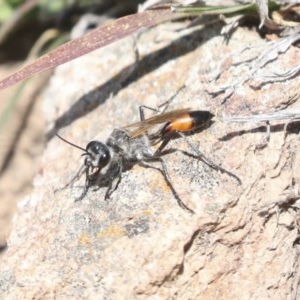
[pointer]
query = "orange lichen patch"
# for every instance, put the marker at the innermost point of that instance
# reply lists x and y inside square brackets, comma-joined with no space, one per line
[112,231]
[158,183]
[147,212]
[84,239]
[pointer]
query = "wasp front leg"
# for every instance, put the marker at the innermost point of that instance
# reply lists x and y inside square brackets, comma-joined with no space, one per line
[114,180]
[85,190]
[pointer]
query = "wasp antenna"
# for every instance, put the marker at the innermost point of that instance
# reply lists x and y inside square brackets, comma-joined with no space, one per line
[78,147]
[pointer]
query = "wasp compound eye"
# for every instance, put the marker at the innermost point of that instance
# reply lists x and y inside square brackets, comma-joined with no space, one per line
[98,154]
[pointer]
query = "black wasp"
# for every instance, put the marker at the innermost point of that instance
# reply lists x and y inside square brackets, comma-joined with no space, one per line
[133,144]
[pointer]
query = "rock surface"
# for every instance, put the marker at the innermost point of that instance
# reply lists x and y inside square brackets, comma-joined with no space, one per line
[242,242]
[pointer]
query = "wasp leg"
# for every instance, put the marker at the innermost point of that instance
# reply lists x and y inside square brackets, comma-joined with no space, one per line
[200,155]
[82,170]
[90,180]
[115,175]
[167,178]
[112,186]
[169,101]
[74,179]
[164,104]
[86,187]
[161,147]
[142,113]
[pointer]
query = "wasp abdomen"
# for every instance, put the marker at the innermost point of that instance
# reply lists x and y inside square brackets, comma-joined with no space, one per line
[188,121]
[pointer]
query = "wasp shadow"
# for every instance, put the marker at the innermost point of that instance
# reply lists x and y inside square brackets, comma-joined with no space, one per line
[147,64]
[292,127]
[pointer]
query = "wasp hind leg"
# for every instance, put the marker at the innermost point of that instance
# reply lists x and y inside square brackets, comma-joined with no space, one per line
[142,111]
[200,155]
[165,105]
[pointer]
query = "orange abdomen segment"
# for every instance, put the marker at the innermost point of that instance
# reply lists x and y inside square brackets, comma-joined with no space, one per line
[188,121]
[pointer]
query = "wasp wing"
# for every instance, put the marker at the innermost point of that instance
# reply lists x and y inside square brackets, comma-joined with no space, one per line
[139,128]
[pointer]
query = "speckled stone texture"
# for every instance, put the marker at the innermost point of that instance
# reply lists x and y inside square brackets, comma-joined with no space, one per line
[242,241]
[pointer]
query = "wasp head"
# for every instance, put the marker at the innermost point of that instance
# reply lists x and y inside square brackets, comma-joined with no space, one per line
[97,156]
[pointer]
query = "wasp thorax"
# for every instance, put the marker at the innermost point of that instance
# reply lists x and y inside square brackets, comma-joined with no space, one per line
[98,154]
